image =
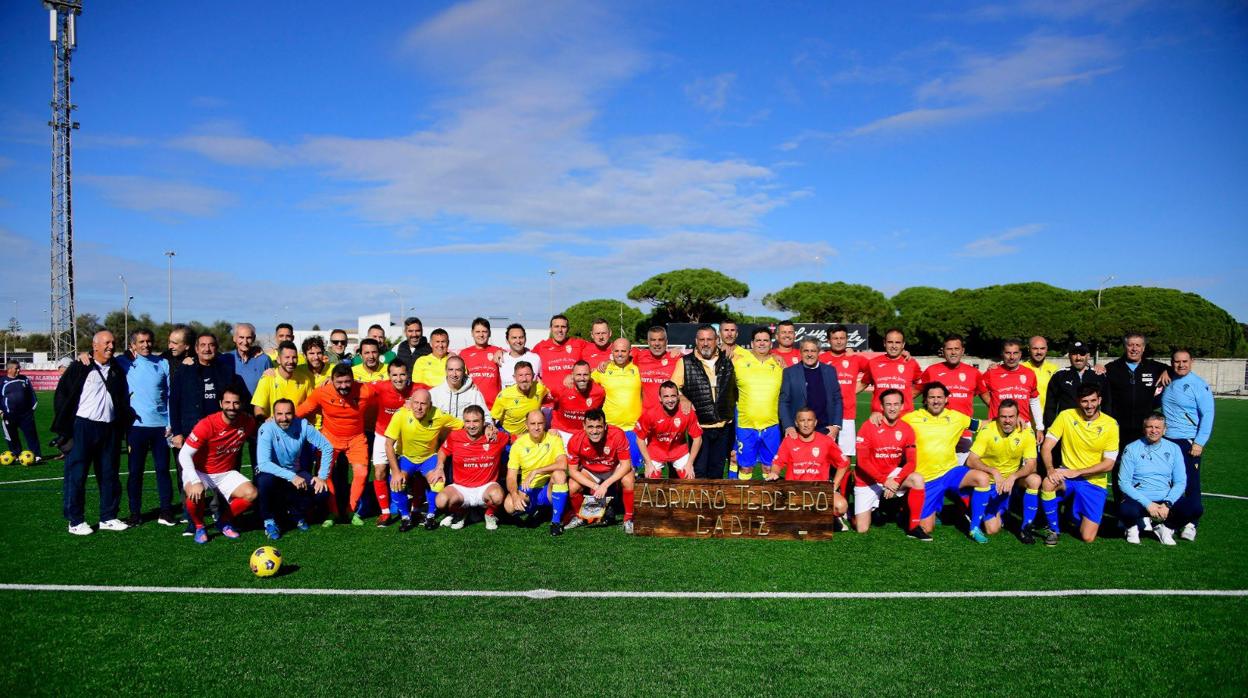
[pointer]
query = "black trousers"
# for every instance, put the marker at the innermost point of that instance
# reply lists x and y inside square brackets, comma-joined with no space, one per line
[717,443]
[95,447]
[1190,503]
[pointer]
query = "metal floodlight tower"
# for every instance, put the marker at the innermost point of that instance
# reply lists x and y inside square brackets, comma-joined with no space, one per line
[62,32]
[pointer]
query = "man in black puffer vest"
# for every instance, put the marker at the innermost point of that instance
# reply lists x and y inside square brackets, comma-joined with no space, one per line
[707,380]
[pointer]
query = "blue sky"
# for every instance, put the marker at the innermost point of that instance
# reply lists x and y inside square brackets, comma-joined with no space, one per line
[303,160]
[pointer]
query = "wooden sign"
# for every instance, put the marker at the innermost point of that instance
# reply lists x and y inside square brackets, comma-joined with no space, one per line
[733,509]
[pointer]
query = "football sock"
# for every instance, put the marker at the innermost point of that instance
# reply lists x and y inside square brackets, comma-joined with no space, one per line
[431,501]
[1031,504]
[237,506]
[1051,502]
[491,510]
[577,499]
[979,505]
[558,501]
[382,489]
[732,471]
[359,475]
[195,510]
[915,497]
[628,504]
[401,502]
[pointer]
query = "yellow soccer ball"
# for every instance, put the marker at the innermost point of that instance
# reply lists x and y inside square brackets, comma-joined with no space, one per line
[266,561]
[26,458]
[7,458]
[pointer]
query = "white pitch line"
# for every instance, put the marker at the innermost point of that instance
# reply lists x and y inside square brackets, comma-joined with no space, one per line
[1224,496]
[544,594]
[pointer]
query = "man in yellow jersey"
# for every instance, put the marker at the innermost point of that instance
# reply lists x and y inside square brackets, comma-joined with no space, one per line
[1006,451]
[758,376]
[621,380]
[370,369]
[317,361]
[412,441]
[728,332]
[936,434]
[289,381]
[284,332]
[516,401]
[537,473]
[1089,440]
[430,370]
[1037,350]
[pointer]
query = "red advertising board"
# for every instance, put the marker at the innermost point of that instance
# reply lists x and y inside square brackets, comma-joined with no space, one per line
[43,380]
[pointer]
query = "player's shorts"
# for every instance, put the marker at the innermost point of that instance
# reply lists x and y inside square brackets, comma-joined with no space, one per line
[867,497]
[424,467]
[998,504]
[355,447]
[847,440]
[936,489]
[634,453]
[538,498]
[757,446]
[379,449]
[225,483]
[473,496]
[680,466]
[1088,500]
[598,477]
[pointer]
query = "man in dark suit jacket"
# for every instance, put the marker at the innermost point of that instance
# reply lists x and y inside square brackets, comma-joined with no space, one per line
[93,409]
[811,384]
[196,390]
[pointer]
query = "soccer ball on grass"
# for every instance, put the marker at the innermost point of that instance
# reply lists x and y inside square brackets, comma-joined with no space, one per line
[26,458]
[7,458]
[266,561]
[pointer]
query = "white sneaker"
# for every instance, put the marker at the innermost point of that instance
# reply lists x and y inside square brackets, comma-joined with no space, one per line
[1148,524]
[1133,535]
[113,525]
[82,529]
[446,521]
[628,527]
[1189,532]
[1164,534]
[491,522]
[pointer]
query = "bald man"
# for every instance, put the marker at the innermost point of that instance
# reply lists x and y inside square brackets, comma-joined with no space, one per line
[93,408]
[621,379]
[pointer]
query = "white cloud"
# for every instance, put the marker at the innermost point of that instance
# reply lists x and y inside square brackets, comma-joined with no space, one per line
[998,244]
[1060,10]
[245,151]
[711,93]
[982,85]
[151,195]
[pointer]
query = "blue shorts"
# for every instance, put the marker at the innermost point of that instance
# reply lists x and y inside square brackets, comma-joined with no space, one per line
[1087,500]
[634,453]
[538,498]
[425,467]
[935,490]
[757,446]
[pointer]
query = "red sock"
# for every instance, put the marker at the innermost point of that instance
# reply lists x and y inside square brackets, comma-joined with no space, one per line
[490,509]
[966,502]
[628,504]
[333,495]
[359,475]
[195,510]
[915,498]
[382,489]
[237,506]
[576,499]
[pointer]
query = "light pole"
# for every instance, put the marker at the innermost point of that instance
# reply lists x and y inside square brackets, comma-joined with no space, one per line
[125,296]
[400,299]
[126,325]
[171,254]
[552,291]
[1099,291]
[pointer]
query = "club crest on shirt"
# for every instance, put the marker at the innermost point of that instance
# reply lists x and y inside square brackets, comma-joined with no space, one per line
[589,402]
[845,363]
[1017,441]
[607,450]
[901,368]
[664,362]
[1022,378]
[897,434]
[815,451]
[568,348]
[962,377]
[676,422]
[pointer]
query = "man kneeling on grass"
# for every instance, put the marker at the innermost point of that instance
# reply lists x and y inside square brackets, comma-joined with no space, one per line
[813,456]
[598,461]
[474,457]
[284,483]
[209,458]
[537,473]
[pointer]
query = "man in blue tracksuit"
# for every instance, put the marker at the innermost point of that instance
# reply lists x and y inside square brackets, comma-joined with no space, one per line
[1188,406]
[18,403]
[283,479]
[1151,479]
[147,377]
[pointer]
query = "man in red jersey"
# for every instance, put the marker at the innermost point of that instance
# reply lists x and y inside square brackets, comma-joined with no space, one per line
[342,403]
[597,461]
[1011,379]
[656,364]
[391,395]
[570,403]
[481,361]
[849,369]
[786,352]
[813,457]
[597,351]
[893,371]
[961,379]
[663,434]
[209,458]
[474,468]
[558,352]
[885,467]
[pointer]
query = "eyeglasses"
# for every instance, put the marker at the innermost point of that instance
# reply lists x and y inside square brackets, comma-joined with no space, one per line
[337,341]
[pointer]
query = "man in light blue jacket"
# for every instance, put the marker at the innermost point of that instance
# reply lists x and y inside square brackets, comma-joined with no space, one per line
[283,480]
[147,377]
[1188,406]
[1151,479]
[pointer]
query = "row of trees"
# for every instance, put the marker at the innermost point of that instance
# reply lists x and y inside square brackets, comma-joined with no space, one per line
[985,316]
